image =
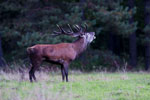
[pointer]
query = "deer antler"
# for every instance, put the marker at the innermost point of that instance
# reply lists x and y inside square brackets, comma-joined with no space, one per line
[81,30]
[70,32]
[85,27]
[60,32]
[77,27]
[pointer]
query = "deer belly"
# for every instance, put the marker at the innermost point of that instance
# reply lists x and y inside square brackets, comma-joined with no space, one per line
[61,60]
[61,57]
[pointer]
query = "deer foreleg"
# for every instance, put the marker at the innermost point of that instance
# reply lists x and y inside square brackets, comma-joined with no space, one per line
[66,65]
[63,73]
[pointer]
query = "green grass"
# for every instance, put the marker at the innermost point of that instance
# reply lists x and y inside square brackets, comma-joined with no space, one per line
[82,86]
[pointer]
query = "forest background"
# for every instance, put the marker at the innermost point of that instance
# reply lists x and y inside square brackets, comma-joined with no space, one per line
[122,31]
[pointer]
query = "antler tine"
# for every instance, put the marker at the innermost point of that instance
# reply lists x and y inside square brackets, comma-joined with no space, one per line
[85,28]
[71,31]
[56,32]
[77,28]
[58,27]
[61,29]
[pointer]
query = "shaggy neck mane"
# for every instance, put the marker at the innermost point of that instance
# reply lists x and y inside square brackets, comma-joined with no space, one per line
[80,45]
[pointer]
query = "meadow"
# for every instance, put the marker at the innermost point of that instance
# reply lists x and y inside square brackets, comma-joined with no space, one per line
[81,86]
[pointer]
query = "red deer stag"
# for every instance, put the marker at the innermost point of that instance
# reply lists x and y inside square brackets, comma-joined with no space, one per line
[62,53]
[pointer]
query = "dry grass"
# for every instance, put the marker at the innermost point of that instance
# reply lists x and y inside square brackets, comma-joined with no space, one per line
[82,86]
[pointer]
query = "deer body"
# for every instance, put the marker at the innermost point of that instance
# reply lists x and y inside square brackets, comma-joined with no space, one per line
[54,52]
[62,54]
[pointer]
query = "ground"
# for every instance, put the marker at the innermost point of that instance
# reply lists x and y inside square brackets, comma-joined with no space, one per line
[81,86]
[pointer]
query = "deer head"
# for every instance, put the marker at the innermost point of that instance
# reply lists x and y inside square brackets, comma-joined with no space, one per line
[80,32]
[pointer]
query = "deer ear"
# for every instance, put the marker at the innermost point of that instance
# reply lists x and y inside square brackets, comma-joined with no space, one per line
[75,35]
[82,35]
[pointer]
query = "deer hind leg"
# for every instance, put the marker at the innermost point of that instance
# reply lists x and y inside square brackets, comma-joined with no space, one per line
[35,65]
[31,74]
[62,72]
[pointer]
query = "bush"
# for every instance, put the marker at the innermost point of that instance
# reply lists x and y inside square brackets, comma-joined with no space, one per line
[97,60]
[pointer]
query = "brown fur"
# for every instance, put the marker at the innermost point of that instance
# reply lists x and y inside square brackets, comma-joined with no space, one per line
[62,54]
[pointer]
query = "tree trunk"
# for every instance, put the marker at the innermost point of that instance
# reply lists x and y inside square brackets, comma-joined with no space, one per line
[133,50]
[132,41]
[81,5]
[117,44]
[147,45]
[1,55]
[111,42]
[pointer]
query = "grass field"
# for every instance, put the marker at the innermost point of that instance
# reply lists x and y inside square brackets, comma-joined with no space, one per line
[81,86]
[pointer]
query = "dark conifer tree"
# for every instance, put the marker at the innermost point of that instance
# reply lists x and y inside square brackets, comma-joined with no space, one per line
[132,40]
[147,34]
[1,54]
